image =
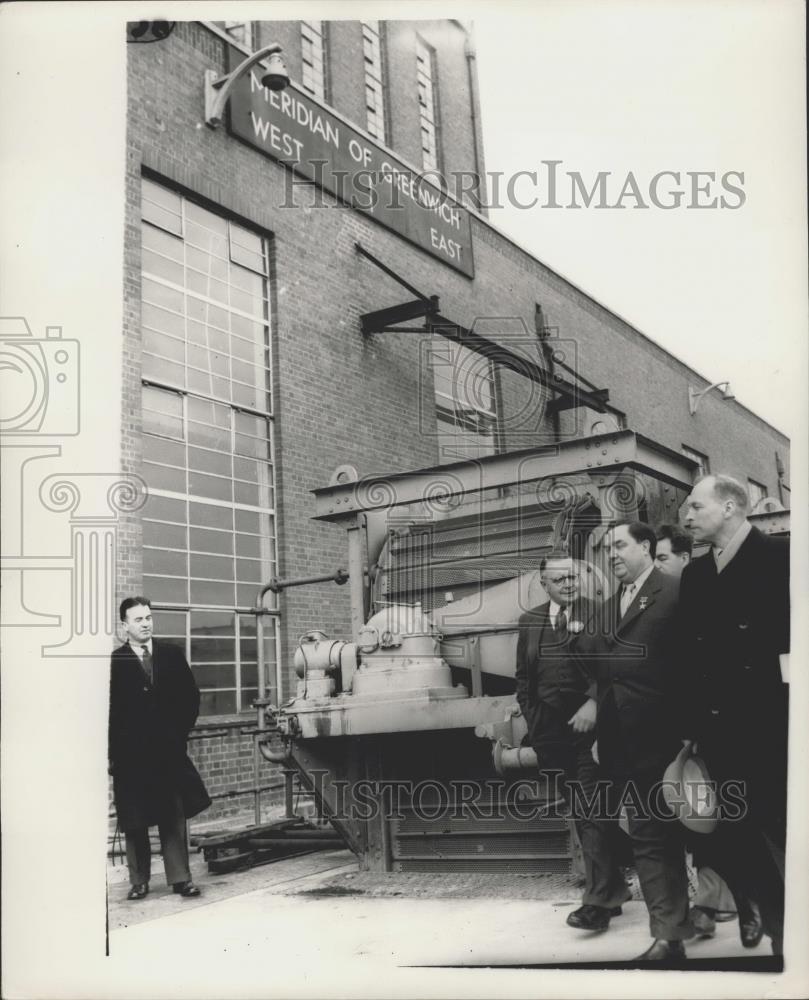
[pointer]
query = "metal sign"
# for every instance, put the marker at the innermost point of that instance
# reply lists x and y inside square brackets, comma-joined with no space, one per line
[291,128]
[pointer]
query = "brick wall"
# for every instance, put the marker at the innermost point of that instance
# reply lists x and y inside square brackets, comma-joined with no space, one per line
[343,399]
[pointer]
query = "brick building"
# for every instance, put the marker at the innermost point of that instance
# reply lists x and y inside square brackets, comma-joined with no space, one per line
[248,378]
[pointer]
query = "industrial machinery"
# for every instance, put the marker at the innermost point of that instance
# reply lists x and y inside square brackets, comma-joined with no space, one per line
[407,730]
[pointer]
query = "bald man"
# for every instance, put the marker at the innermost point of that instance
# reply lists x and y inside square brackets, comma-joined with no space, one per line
[713,900]
[734,606]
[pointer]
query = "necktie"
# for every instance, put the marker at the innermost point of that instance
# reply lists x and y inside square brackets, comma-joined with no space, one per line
[561,621]
[147,664]
[626,598]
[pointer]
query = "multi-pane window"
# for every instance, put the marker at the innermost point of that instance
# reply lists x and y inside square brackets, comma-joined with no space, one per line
[756,491]
[374,84]
[313,52]
[222,649]
[466,401]
[209,521]
[239,31]
[428,113]
[703,464]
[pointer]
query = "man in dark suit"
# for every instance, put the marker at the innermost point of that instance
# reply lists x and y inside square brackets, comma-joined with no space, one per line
[630,653]
[713,900]
[558,707]
[734,606]
[154,702]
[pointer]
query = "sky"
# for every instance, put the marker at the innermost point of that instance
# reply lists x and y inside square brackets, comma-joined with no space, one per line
[640,88]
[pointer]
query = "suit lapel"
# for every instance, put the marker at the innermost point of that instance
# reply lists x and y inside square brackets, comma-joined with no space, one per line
[744,556]
[645,598]
[135,665]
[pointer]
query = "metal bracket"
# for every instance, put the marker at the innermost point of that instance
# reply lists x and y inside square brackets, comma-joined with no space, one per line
[383,319]
[574,397]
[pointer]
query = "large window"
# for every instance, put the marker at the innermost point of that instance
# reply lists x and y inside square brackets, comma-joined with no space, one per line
[428,107]
[466,401]
[209,538]
[374,80]
[313,53]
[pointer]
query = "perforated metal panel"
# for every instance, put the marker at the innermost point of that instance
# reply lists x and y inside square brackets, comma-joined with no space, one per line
[477,824]
[506,866]
[474,845]
[504,842]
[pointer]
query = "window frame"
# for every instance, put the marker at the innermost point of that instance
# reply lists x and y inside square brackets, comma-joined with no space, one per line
[453,409]
[702,460]
[428,123]
[320,33]
[759,486]
[376,75]
[262,361]
[230,28]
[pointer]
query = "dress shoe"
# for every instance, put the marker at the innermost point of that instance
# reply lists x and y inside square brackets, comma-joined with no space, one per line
[667,954]
[750,928]
[703,921]
[138,891]
[187,889]
[592,918]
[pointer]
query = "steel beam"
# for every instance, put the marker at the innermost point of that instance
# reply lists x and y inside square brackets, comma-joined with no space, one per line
[600,453]
[379,320]
[573,395]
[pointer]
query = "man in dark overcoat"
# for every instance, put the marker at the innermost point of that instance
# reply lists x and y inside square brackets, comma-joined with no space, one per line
[154,702]
[734,606]
[630,654]
[557,702]
[713,900]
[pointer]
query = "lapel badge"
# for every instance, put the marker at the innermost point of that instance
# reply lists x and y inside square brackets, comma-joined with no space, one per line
[642,603]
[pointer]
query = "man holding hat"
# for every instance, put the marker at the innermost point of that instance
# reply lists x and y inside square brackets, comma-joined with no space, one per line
[734,605]
[713,900]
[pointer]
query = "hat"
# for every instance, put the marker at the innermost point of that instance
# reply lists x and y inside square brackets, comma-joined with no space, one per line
[689,792]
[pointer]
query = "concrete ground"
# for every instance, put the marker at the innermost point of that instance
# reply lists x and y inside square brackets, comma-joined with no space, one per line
[314,923]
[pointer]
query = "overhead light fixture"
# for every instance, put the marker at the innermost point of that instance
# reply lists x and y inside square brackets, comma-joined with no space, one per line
[695,395]
[219,88]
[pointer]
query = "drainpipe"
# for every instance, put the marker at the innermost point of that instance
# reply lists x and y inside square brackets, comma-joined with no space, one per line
[474,105]
[261,723]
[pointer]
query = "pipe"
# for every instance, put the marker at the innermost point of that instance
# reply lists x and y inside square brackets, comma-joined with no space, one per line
[474,107]
[289,803]
[339,576]
[506,758]
[261,692]
[256,788]
[274,756]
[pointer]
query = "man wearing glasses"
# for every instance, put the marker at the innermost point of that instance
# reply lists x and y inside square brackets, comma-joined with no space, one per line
[556,700]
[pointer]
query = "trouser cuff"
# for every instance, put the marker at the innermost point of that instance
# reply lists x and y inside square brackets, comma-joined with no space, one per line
[665,932]
[608,901]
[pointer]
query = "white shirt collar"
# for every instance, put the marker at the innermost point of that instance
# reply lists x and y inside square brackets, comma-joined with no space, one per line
[138,649]
[639,582]
[723,556]
[553,611]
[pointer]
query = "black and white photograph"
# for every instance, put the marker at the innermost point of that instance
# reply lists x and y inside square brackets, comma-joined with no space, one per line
[403,437]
